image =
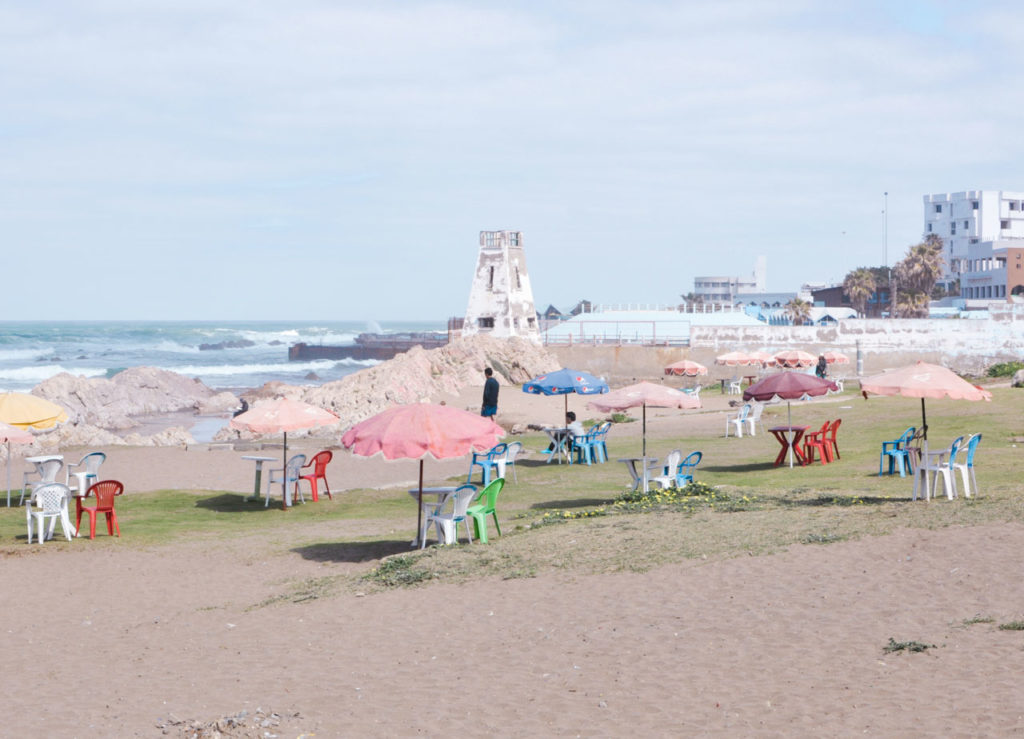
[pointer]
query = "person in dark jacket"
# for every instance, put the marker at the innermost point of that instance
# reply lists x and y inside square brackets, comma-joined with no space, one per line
[490,406]
[822,366]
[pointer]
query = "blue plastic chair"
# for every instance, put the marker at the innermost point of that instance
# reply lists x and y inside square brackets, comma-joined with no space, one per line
[486,461]
[896,452]
[600,447]
[685,472]
[584,446]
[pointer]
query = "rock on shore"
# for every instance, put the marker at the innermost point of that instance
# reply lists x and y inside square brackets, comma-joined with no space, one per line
[418,375]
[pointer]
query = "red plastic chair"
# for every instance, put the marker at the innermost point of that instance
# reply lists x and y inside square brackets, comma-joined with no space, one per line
[815,440]
[833,445]
[105,491]
[319,465]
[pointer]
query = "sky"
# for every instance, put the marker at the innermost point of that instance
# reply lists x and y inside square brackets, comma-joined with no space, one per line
[331,160]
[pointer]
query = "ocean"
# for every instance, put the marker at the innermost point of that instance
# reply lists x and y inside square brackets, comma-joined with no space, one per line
[252,353]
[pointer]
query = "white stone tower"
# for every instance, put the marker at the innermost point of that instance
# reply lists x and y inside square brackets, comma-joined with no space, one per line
[500,299]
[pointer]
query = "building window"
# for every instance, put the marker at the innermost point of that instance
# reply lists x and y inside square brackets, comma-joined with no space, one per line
[487,322]
[938,208]
[514,238]
[965,224]
[519,282]
[952,229]
[1004,224]
[1014,205]
[490,278]
[974,205]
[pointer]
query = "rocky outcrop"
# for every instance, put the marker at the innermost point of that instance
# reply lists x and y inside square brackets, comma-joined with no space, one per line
[423,374]
[86,435]
[110,404]
[1018,379]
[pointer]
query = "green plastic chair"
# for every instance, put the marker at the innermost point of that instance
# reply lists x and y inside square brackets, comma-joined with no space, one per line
[479,511]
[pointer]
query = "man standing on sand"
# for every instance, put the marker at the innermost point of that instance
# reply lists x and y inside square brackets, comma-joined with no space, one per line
[490,395]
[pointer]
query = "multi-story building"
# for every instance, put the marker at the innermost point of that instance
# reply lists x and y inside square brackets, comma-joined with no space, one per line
[725,289]
[965,219]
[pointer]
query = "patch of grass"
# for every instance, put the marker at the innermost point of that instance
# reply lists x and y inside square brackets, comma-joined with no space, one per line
[1012,626]
[826,537]
[978,620]
[906,646]
[306,590]
[400,571]
[621,418]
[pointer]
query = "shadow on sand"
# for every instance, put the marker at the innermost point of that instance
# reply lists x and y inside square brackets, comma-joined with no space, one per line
[354,551]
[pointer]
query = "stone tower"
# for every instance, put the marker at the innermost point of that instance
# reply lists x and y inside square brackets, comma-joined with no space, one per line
[500,299]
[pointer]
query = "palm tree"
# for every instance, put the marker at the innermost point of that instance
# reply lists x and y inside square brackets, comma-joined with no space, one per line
[799,311]
[859,286]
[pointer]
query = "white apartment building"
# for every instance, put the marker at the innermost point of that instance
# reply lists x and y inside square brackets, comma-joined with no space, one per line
[966,219]
[726,289]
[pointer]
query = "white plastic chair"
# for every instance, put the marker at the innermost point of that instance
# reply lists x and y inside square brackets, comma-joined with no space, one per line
[47,471]
[668,479]
[737,422]
[446,524]
[941,463]
[51,500]
[89,473]
[694,391]
[754,417]
[514,449]
[289,476]
[966,467]
[734,388]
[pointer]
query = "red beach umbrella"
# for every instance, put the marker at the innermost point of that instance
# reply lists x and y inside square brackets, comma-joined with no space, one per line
[733,359]
[282,415]
[644,394]
[795,358]
[9,435]
[417,430]
[686,368]
[788,386]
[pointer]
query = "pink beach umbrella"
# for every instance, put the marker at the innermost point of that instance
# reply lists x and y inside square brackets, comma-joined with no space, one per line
[9,435]
[795,358]
[282,415]
[686,368]
[923,380]
[732,359]
[788,386]
[836,358]
[763,357]
[417,430]
[643,394]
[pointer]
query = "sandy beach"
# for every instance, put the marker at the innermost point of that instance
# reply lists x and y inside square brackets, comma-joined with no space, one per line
[159,640]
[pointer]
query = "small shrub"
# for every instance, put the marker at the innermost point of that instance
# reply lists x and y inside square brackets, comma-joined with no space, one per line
[978,620]
[908,646]
[1012,626]
[622,418]
[1004,369]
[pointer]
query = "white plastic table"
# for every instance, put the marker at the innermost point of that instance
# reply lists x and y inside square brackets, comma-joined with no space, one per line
[259,475]
[560,440]
[646,465]
[440,492]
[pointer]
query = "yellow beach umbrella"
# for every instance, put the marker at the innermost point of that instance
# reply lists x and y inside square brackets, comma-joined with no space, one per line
[22,410]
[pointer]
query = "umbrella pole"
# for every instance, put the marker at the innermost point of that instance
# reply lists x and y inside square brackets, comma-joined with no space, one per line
[789,422]
[643,462]
[8,474]
[419,510]
[284,473]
